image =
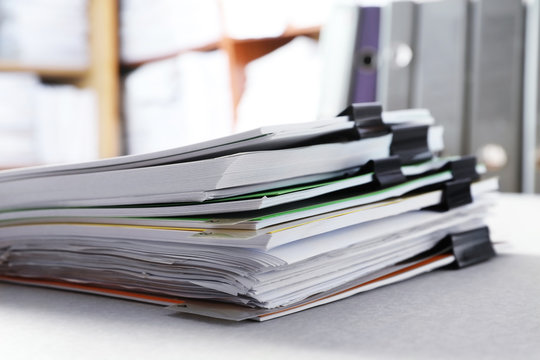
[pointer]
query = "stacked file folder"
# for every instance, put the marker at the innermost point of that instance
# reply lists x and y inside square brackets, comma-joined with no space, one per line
[255,225]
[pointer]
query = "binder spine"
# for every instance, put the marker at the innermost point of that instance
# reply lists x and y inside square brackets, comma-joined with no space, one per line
[364,87]
[470,247]
[396,55]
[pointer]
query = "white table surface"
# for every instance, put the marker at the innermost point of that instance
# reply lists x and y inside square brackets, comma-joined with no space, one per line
[491,310]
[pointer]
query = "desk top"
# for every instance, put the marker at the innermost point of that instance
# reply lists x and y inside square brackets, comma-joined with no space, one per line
[491,310]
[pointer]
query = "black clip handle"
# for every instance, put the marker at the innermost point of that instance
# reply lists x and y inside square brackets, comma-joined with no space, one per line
[386,171]
[410,143]
[455,193]
[463,168]
[367,118]
[470,247]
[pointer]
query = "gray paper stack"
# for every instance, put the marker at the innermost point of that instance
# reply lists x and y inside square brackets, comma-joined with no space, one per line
[252,226]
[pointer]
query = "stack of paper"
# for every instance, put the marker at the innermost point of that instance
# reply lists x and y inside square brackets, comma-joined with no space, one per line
[45,123]
[151,29]
[45,33]
[178,101]
[254,225]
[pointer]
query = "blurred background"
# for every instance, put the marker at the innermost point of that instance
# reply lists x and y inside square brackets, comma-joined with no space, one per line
[88,79]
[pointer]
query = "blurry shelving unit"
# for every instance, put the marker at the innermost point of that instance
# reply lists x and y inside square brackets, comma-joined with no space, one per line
[105,70]
[131,65]
[183,79]
[52,73]
[101,74]
[240,53]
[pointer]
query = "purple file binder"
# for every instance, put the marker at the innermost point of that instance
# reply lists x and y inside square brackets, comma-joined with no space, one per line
[364,82]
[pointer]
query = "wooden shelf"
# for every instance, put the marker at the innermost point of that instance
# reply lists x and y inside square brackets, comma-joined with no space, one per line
[242,51]
[259,46]
[45,72]
[101,75]
[207,47]
[289,33]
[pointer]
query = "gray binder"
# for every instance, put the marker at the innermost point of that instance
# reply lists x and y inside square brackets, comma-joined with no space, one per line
[395,55]
[536,152]
[531,100]
[438,81]
[495,87]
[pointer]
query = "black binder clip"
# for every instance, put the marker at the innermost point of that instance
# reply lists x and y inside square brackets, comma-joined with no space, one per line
[455,193]
[367,118]
[386,171]
[463,168]
[410,143]
[470,247]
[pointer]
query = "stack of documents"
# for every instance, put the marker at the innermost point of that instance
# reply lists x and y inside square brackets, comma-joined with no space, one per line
[255,225]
